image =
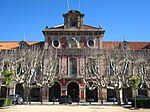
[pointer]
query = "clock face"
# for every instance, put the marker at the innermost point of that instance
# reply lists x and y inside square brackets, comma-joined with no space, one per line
[73,23]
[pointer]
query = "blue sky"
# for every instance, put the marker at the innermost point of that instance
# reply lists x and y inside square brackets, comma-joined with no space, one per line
[129,19]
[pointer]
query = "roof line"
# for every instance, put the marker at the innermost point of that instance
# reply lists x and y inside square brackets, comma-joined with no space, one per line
[129,41]
[58,26]
[20,41]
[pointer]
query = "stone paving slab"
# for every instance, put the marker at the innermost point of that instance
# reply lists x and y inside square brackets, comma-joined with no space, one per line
[68,108]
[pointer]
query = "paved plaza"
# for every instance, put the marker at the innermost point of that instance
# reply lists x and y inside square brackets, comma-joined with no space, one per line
[69,108]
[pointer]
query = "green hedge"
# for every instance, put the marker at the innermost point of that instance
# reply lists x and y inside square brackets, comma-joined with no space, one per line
[3,102]
[142,103]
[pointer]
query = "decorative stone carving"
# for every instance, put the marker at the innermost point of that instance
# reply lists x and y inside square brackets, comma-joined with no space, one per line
[73,42]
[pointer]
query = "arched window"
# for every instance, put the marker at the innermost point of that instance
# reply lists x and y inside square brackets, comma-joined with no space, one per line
[73,67]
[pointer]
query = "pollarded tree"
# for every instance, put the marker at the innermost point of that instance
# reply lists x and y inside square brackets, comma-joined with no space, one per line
[120,65]
[48,64]
[114,62]
[32,66]
[26,70]
[22,62]
[93,73]
[143,65]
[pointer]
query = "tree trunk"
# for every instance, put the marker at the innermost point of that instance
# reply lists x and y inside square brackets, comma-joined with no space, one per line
[7,91]
[135,104]
[27,95]
[118,97]
[101,97]
[41,88]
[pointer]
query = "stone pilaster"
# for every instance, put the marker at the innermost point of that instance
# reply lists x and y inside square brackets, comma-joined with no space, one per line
[64,90]
[82,93]
[12,87]
[104,94]
[45,94]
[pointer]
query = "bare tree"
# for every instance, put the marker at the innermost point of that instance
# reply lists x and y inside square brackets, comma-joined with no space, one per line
[109,69]
[49,69]
[143,66]
[118,64]
[31,66]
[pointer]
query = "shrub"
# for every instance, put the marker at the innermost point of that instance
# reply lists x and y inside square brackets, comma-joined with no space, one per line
[3,102]
[9,102]
[142,102]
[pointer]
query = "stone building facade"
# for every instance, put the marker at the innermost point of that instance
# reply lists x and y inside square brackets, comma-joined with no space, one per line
[70,40]
[72,37]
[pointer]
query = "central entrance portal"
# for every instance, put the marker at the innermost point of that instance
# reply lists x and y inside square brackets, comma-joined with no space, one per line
[73,91]
[54,92]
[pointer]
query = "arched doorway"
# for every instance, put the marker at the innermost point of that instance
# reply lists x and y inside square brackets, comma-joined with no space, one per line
[54,92]
[143,89]
[91,95]
[3,92]
[73,91]
[35,94]
[111,94]
[19,90]
[127,94]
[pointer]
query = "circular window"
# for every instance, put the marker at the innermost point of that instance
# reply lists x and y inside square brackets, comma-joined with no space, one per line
[90,43]
[55,43]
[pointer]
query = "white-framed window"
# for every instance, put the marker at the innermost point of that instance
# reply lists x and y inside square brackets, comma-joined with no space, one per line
[56,43]
[73,67]
[90,43]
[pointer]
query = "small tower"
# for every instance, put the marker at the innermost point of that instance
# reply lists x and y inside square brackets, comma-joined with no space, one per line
[73,19]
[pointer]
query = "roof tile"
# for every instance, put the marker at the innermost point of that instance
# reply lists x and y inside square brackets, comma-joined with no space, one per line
[106,45]
[131,45]
[11,45]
